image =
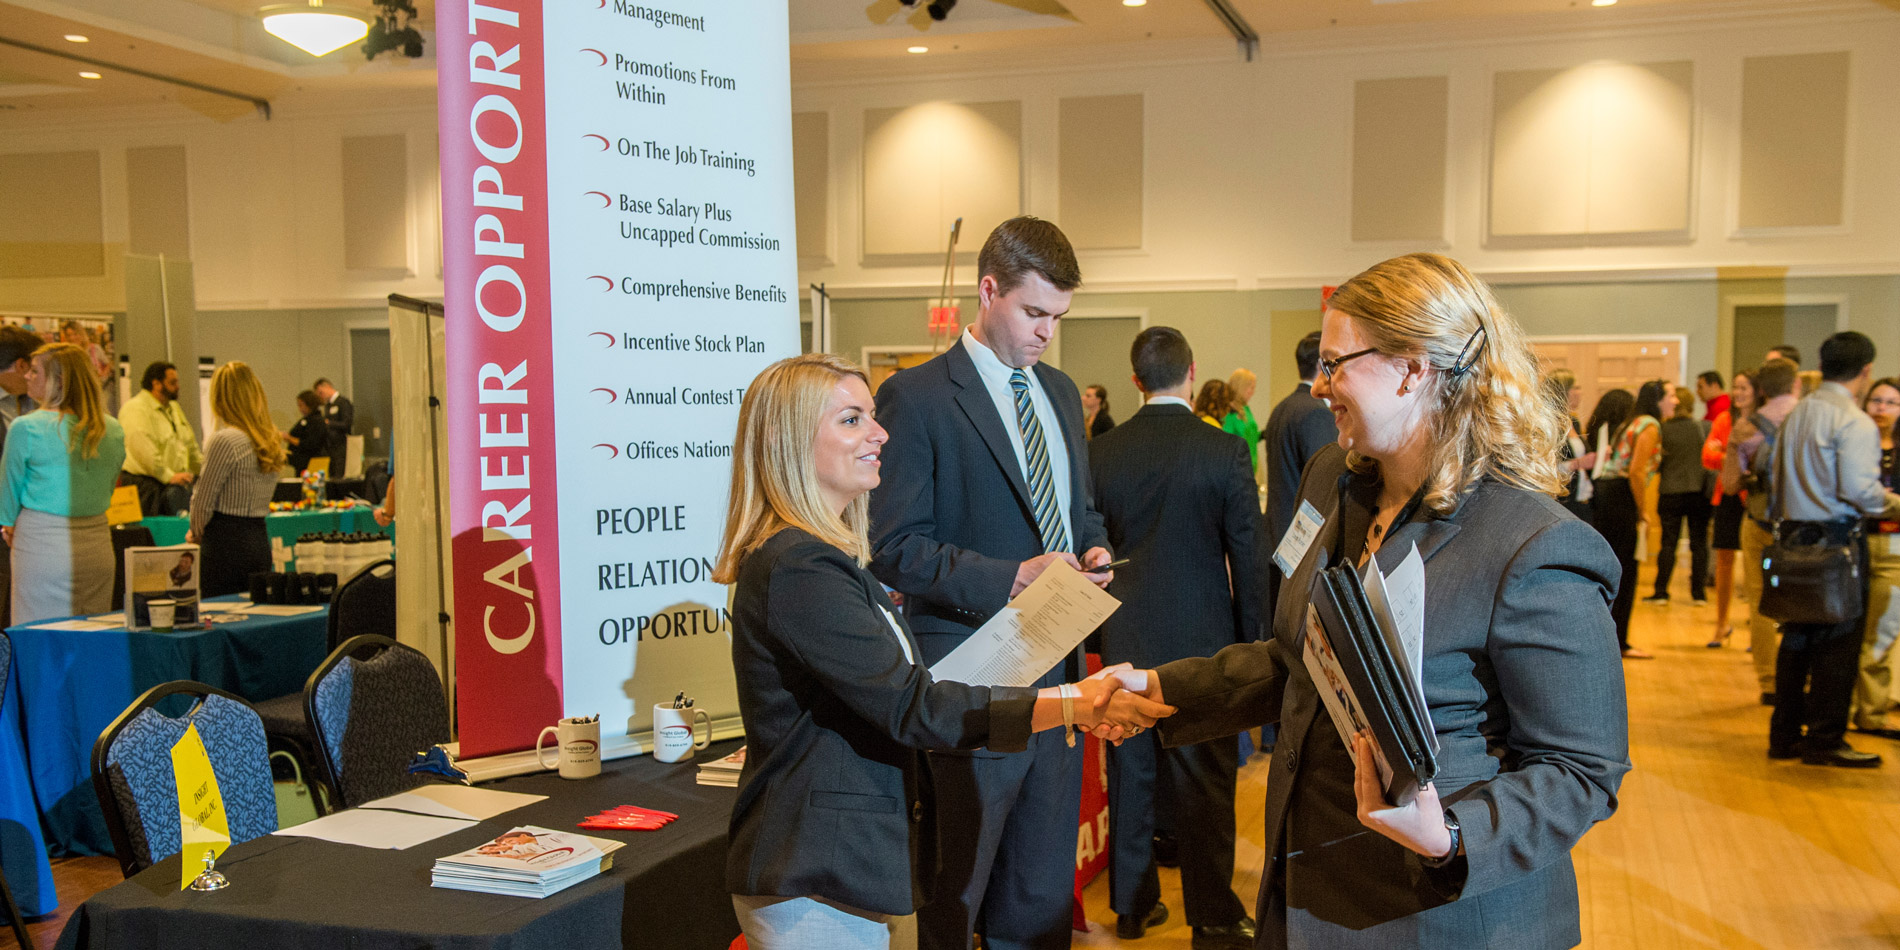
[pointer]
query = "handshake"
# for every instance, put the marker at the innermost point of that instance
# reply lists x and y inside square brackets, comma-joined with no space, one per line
[1118,702]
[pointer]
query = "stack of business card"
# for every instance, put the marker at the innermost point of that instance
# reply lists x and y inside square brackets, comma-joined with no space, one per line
[723,771]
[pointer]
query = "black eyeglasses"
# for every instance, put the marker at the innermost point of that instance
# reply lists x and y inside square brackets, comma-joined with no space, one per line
[1332,366]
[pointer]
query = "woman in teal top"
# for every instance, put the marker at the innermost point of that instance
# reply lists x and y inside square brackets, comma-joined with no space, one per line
[56,480]
[1240,421]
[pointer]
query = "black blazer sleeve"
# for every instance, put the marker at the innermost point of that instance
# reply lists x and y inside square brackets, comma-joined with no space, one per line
[1240,530]
[908,556]
[1218,696]
[819,615]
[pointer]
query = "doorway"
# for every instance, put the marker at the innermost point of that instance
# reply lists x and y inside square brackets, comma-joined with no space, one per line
[1606,363]
[369,390]
[1759,327]
[1093,350]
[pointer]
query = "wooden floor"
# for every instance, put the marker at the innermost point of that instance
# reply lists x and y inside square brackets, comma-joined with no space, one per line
[1712,845]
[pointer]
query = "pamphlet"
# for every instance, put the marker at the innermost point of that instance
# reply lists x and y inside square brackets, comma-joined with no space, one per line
[1032,633]
[723,772]
[161,573]
[526,861]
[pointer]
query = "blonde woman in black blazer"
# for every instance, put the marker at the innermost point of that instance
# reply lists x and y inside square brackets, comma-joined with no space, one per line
[1445,444]
[833,837]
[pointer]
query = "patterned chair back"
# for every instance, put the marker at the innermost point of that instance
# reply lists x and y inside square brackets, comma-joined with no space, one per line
[132,771]
[375,703]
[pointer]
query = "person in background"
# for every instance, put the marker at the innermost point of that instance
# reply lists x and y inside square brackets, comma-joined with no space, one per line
[72,331]
[1180,503]
[1575,456]
[1784,352]
[1725,535]
[1634,457]
[834,836]
[1241,384]
[1810,381]
[56,480]
[241,465]
[1439,448]
[17,344]
[1873,689]
[1714,396]
[1214,402]
[309,437]
[1297,428]
[1826,478]
[1682,497]
[1095,417]
[338,413]
[1745,472]
[162,457]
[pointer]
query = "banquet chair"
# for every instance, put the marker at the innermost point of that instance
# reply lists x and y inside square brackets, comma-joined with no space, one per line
[373,704]
[365,603]
[12,909]
[132,771]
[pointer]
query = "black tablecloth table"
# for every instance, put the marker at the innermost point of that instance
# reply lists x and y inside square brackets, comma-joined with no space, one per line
[666,889]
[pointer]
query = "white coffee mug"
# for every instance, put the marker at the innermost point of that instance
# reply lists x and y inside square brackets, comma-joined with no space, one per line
[162,612]
[674,737]
[578,747]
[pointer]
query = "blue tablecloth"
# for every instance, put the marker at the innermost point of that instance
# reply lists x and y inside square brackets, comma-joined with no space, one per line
[285,526]
[67,686]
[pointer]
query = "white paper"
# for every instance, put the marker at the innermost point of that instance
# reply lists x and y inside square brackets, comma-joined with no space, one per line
[1398,599]
[80,625]
[282,610]
[371,828]
[219,606]
[454,801]
[1032,634]
[1603,451]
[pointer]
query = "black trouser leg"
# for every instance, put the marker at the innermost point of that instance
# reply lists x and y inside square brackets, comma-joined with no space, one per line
[1616,521]
[1670,509]
[1699,513]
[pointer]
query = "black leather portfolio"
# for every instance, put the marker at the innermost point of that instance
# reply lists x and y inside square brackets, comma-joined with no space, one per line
[1366,684]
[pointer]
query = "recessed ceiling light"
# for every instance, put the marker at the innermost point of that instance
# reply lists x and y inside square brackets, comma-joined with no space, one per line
[77,38]
[1134,3]
[89,75]
[1603,3]
[920,49]
[313,27]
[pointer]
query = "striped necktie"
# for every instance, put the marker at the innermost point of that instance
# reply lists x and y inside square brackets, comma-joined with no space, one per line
[1042,487]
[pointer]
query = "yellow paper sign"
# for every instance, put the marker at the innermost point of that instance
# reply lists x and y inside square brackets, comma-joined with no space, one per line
[202,826]
[125,506]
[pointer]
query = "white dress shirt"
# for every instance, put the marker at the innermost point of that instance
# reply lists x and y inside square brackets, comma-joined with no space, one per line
[995,375]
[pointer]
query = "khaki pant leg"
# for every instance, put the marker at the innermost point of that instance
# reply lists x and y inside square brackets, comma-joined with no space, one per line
[1764,635]
[1873,688]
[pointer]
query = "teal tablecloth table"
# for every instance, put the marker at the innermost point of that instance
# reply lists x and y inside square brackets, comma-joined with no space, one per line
[66,686]
[284,526]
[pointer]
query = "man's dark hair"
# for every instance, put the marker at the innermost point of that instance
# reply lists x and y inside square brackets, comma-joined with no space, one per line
[17,344]
[1025,244]
[1306,355]
[155,373]
[321,382]
[1789,353]
[1161,357]
[1713,378]
[1774,378]
[1844,355]
[309,399]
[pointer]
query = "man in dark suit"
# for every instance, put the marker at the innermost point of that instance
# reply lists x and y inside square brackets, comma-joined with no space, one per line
[1297,429]
[1179,502]
[339,414]
[985,484]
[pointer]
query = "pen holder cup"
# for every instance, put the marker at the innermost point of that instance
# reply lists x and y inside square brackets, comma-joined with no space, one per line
[676,732]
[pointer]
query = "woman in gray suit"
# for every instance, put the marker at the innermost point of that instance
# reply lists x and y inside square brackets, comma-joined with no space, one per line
[1444,445]
[833,840]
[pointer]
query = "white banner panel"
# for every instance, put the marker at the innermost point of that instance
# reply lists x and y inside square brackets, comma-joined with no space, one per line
[671,281]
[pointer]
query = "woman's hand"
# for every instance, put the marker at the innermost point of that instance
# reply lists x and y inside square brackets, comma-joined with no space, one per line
[191,537]
[7,532]
[1113,706]
[1419,825]
[1589,460]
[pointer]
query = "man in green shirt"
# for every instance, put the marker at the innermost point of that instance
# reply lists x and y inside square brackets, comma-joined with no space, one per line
[162,456]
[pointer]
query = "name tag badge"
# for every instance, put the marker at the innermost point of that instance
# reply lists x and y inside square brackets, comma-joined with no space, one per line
[1299,537]
[899,633]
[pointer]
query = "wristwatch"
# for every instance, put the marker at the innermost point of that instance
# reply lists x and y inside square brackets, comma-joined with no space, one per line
[1457,841]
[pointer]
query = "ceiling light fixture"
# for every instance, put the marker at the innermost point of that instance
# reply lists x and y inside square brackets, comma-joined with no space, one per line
[920,49]
[77,38]
[313,27]
[1603,3]
[1134,3]
[89,75]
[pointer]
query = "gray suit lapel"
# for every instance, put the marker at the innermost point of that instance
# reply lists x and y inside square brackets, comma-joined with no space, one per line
[975,401]
[1428,535]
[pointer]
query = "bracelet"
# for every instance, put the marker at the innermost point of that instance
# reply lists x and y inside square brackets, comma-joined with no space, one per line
[1069,693]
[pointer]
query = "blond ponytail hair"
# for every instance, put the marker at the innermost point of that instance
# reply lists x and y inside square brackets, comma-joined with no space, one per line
[237,399]
[1490,415]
